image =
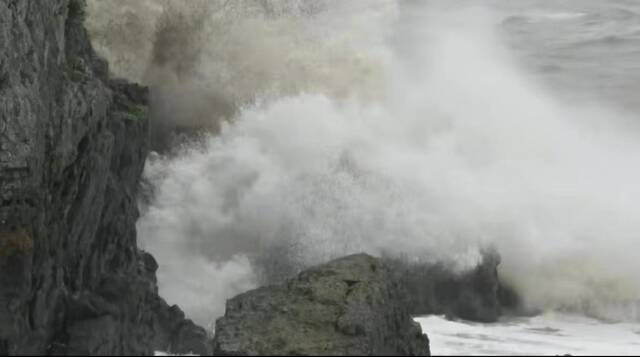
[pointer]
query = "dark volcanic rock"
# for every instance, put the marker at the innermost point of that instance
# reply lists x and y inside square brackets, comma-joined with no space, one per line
[350,306]
[475,295]
[72,148]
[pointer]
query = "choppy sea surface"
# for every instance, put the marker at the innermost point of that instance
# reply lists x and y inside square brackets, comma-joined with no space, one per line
[549,334]
[589,48]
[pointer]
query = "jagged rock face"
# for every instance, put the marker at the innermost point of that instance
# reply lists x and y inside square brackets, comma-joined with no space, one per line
[72,149]
[350,306]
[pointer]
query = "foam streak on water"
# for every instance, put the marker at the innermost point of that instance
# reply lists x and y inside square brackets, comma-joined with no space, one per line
[549,335]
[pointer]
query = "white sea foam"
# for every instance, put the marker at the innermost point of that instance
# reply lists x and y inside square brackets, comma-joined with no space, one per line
[549,335]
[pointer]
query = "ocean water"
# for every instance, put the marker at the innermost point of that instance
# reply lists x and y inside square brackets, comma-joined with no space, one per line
[550,334]
[429,129]
[582,51]
[585,48]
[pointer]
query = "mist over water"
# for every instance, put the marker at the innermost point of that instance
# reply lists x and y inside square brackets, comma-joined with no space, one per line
[403,128]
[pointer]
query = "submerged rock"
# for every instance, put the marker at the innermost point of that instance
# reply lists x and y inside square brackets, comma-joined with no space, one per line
[350,306]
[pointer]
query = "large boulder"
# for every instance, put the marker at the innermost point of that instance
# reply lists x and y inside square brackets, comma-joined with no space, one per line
[350,306]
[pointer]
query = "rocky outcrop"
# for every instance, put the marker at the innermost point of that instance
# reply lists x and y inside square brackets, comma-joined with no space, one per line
[350,306]
[433,288]
[436,289]
[72,148]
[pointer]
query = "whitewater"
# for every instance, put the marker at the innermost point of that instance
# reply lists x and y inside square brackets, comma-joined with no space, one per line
[430,130]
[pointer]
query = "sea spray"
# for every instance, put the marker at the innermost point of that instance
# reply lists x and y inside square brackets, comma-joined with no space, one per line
[411,133]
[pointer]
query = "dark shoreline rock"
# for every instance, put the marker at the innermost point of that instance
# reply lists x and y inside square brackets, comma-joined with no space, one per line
[477,295]
[350,306]
[73,143]
[436,289]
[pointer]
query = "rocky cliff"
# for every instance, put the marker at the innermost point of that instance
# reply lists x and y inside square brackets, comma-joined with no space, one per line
[72,149]
[350,306]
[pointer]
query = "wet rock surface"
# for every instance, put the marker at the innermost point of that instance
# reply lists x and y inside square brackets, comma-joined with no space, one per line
[436,289]
[73,143]
[433,288]
[350,306]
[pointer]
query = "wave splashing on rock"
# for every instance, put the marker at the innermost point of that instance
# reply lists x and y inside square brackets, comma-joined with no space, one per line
[403,129]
